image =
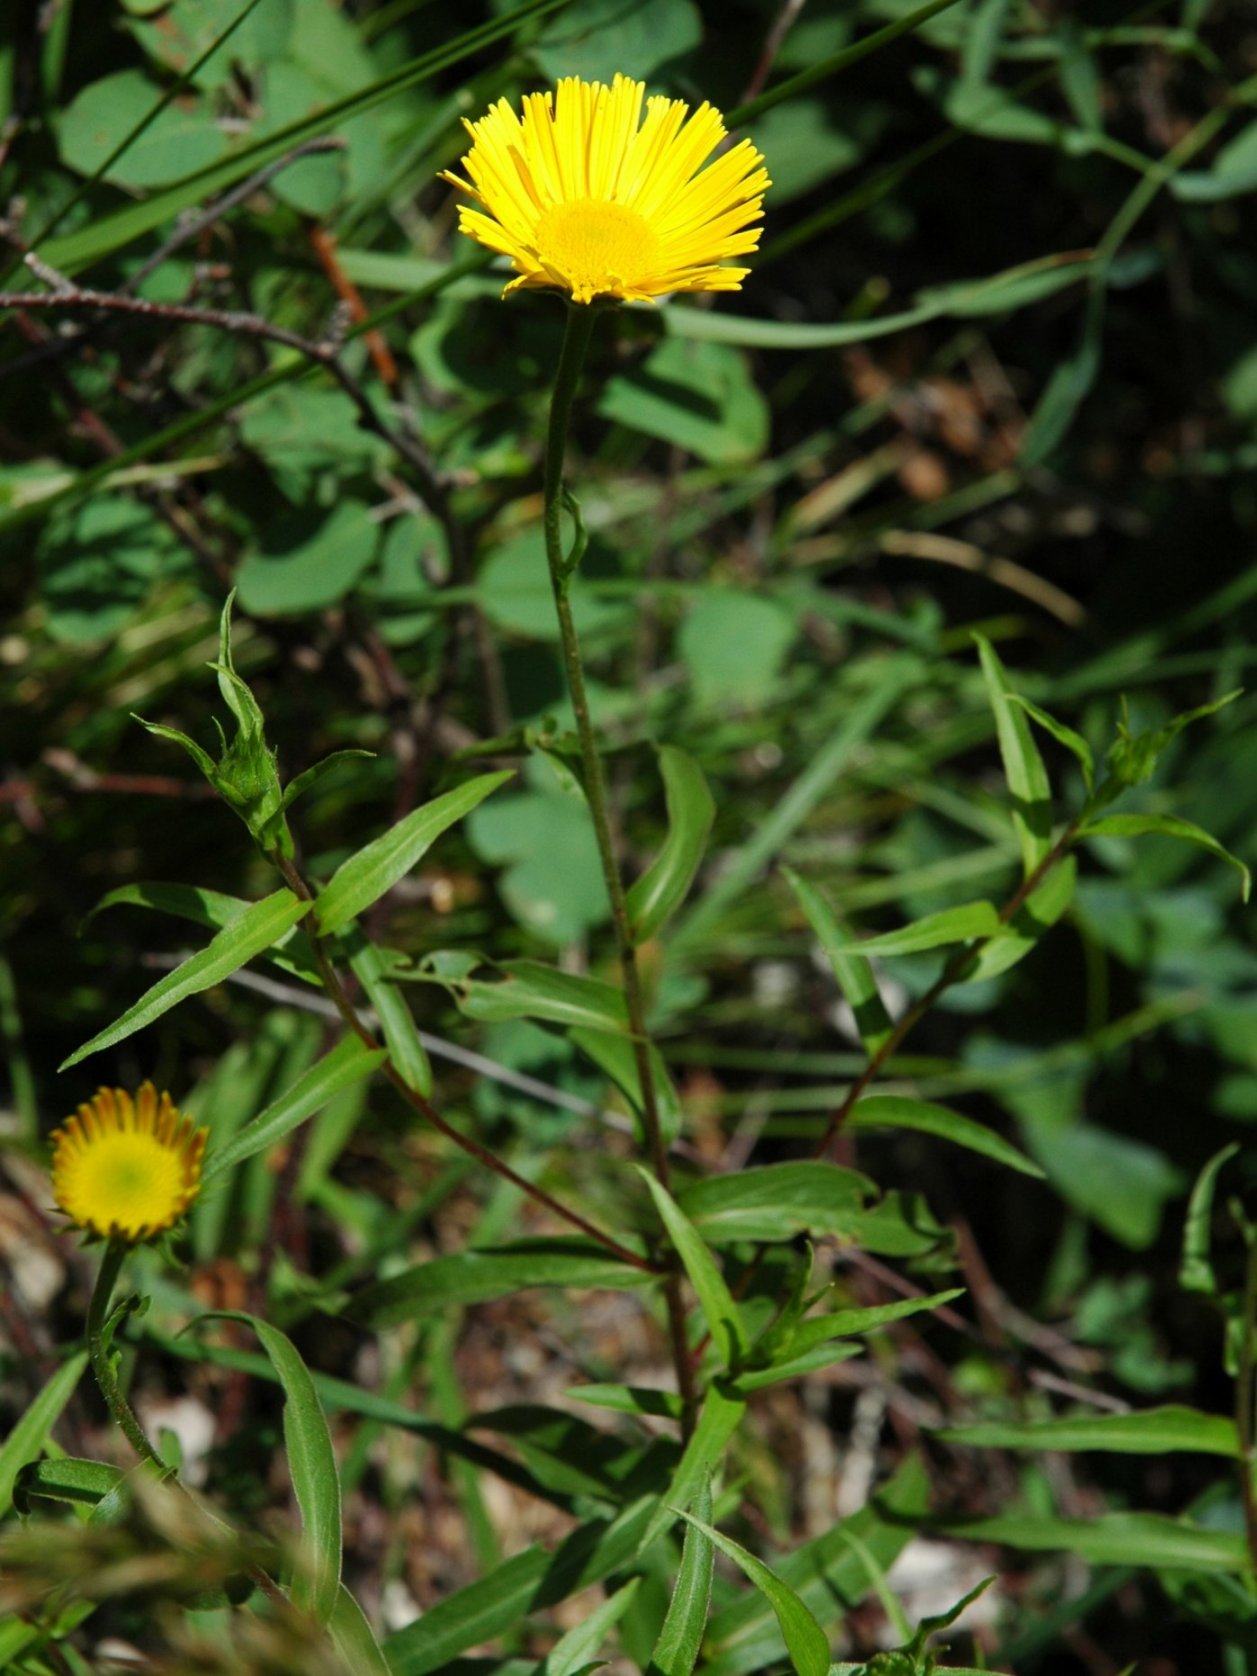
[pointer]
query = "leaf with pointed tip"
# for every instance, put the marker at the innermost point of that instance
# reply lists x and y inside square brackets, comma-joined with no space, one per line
[1154,1431]
[262,924]
[666,882]
[681,1637]
[805,1640]
[724,1322]
[1168,826]
[852,972]
[896,1111]
[28,1435]
[1196,1272]
[1023,766]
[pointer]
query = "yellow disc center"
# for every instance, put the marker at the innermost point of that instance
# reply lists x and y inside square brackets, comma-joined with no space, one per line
[129,1181]
[597,247]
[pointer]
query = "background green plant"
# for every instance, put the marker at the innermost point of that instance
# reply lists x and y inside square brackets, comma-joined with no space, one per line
[994,371]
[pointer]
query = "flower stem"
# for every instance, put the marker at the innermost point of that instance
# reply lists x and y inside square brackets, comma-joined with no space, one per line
[102,1359]
[580,324]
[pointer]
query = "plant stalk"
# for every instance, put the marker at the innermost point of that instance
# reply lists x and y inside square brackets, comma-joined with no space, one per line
[102,1361]
[581,319]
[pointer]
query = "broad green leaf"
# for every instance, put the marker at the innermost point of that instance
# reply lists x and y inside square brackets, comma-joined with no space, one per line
[853,973]
[677,1648]
[376,868]
[1023,766]
[1151,1539]
[469,1277]
[28,1435]
[1233,172]
[347,1063]
[666,882]
[735,645]
[66,1479]
[262,924]
[312,1463]
[371,966]
[805,1640]
[1063,735]
[896,1111]
[529,989]
[578,1650]
[698,396]
[775,1202]
[1168,826]
[724,1322]
[1155,1431]
[961,924]
[179,141]
[355,1639]
[307,558]
[596,38]
[1121,1183]
[1196,1273]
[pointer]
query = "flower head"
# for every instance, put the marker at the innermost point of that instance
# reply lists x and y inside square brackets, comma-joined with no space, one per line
[582,194]
[127,1168]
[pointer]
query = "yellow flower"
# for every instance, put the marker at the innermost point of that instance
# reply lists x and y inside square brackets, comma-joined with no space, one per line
[127,1168]
[584,195]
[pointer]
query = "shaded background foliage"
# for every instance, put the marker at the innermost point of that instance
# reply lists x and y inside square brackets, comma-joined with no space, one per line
[786,531]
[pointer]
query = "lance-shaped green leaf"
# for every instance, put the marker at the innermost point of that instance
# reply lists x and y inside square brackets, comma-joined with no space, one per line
[846,1323]
[468,1277]
[372,965]
[261,925]
[1154,1431]
[1168,826]
[795,1367]
[376,868]
[529,989]
[853,973]
[724,1322]
[214,910]
[1073,742]
[896,1111]
[961,924]
[1033,920]
[615,1056]
[1151,1539]
[578,1650]
[718,1419]
[312,1463]
[29,1434]
[666,882]
[347,1063]
[805,1640]
[676,1650]
[1023,766]
[1196,1273]
[300,784]
[355,1638]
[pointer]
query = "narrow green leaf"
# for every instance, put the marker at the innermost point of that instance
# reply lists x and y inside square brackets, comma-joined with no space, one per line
[629,1399]
[852,972]
[347,1063]
[666,882]
[355,1639]
[470,1616]
[1023,766]
[216,911]
[775,1201]
[376,868]
[300,784]
[961,924]
[615,1056]
[724,1322]
[796,1367]
[896,1111]
[579,1648]
[718,1419]
[371,966]
[530,989]
[844,1323]
[1151,1539]
[1168,826]
[1195,1272]
[1155,1431]
[676,1650]
[468,1277]
[1063,735]
[29,1434]
[262,924]
[312,1463]
[1029,925]
[805,1640]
